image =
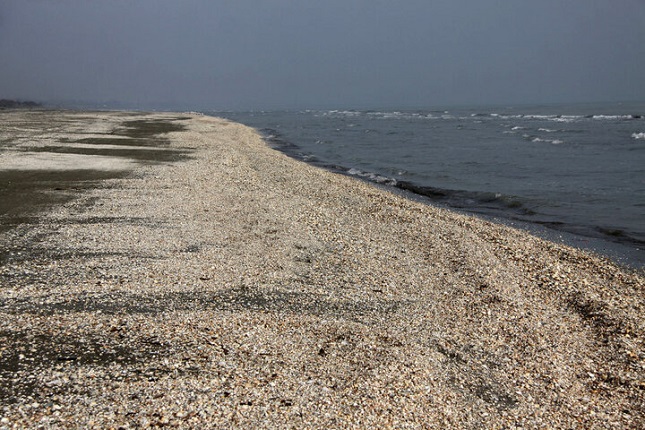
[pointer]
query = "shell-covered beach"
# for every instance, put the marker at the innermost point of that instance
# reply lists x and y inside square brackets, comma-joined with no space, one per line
[170,269]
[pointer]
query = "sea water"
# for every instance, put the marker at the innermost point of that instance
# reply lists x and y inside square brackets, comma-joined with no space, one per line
[573,168]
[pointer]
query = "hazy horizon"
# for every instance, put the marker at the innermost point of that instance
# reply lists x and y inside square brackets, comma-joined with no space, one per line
[244,55]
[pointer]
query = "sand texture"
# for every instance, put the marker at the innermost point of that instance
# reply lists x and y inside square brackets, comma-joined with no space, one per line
[217,283]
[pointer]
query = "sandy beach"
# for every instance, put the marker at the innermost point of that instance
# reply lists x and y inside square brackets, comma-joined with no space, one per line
[172,270]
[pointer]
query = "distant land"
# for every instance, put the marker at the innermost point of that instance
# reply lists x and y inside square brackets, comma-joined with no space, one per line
[17,104]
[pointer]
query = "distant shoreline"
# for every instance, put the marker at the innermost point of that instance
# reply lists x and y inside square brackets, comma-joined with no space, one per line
[18,104]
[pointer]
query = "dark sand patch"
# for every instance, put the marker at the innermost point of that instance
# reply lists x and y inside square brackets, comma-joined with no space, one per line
[26,193]
[145,128]
[234,299]
[33,184]
[35,352]
[119,141]
[138,154]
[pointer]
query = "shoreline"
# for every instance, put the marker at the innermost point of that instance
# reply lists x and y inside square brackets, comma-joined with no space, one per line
[623,250]
[620,253]
[232,285]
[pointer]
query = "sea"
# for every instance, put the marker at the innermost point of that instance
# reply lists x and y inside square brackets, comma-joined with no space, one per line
[570,173]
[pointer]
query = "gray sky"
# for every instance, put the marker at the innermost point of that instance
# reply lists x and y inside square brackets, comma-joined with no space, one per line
[243,54]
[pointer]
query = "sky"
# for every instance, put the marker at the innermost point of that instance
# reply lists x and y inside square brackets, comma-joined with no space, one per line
[284,54]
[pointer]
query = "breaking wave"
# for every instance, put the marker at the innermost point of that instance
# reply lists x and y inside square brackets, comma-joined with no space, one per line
[372,177]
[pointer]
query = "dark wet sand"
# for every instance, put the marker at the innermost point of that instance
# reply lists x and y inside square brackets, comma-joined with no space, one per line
[25,193]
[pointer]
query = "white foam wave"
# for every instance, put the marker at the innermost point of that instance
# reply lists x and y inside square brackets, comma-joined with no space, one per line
[445,115]
[343,112]
[537,116]
[551,141]
[547,130]
[372,176]
[639,136]
[611,117]
[565,118]
[517,128]
[555,118]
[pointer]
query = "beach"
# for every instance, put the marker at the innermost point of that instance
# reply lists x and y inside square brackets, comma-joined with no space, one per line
[176,271]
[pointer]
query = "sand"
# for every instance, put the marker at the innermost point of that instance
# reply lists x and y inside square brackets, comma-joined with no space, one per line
[227,285]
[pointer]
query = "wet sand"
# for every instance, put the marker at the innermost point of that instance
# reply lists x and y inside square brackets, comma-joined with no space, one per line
[44,164]
[171,269]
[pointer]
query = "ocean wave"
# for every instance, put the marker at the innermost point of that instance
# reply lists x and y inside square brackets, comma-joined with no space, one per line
[537,117]
[388,115]
[434,115]
[446,115]
[485,202]
[560,118]
[373,177]
[639,136]
[541,117]
[551,141]
[350,113]
[566,118]
[615,117]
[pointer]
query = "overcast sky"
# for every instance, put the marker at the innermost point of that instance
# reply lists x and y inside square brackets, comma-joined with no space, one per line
[259,54]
